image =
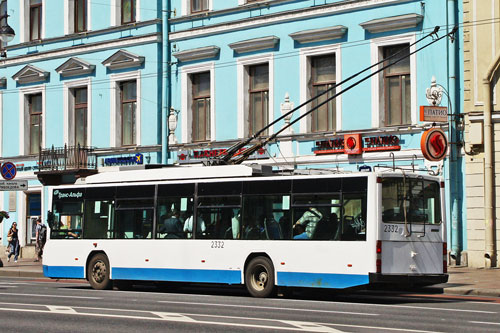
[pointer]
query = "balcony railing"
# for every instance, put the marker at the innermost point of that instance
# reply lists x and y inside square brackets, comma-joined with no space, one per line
[66,158]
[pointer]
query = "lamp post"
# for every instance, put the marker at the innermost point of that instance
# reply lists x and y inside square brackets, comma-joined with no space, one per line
[6,32]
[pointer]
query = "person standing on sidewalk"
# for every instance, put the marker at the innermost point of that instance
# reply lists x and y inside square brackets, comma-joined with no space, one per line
[13,238]
[41,237]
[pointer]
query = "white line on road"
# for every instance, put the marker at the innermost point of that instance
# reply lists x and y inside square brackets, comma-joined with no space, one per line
[55,296]
[270,307]
[62,309]
[484,322]
[180,317]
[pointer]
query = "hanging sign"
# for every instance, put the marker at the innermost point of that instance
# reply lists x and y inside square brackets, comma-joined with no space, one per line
[438,114]
[434,144]
[355,144]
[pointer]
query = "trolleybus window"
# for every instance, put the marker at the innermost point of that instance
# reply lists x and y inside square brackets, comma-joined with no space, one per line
[68,213]
[99,216]
[175,212]
[219,213]
[421,198]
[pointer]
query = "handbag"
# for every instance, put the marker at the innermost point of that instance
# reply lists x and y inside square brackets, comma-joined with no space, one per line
[9,239]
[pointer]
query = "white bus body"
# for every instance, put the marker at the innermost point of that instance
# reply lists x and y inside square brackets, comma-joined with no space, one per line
[398,249]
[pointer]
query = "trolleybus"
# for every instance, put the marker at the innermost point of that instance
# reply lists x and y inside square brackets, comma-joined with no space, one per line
[239,225]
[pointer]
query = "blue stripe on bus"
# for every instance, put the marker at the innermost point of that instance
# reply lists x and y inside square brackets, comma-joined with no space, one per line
[321,280]
[70,272]
[177,275]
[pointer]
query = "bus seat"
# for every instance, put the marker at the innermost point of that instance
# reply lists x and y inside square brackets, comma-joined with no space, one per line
[272,229]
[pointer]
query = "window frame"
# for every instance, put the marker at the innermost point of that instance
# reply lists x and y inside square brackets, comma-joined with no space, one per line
[377,82]
[202,3]
[313,92]
[123,102]
[306,54]
[262,93]
[40,8]
[195,98]
[75,17]
[133,11]
[77,106]
[39,115]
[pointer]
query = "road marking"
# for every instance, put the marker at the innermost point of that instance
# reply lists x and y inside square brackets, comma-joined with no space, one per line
[181,317]
[174,317]
[55,296]
[62,309]
[483,322]
[272,308]
[396,306]
[310,326]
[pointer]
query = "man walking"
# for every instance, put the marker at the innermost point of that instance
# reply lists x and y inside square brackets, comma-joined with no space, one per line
[41,237]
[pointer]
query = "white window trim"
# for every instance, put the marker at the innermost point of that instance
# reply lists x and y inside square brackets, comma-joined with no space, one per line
[186,114]
[242,90]
[305,74]
[25,26]
[116,13]
[69,16]
[378,111]
[24,116]
[68,107]
[186,7]
[115,80]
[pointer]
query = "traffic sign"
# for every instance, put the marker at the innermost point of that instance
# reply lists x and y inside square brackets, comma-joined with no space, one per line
[8,171]
[13,185]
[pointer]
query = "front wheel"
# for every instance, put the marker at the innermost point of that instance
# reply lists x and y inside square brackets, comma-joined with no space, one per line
[259,277]
[98,272]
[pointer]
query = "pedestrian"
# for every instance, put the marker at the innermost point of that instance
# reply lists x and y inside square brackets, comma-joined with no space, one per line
[13,238]
[41,237]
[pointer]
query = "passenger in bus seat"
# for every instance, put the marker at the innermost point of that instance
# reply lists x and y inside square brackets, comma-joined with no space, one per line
[300,232]
[172,226]
[309,220]
[188,226]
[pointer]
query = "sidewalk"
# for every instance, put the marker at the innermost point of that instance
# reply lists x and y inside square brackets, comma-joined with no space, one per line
[462,281]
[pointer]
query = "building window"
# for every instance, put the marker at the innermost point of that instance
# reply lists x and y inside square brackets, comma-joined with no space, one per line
[128,9]
[199,6]
[201,106]
[80,114]
[35,121]
[258,92]
[323,78]
[35,19]
[128,104]
[80,12]
[397,87]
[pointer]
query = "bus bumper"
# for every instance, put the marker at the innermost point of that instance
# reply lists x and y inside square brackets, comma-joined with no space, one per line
[412,279]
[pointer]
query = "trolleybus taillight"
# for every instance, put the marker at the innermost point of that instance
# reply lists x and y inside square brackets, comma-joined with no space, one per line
[379,256]
[445,255]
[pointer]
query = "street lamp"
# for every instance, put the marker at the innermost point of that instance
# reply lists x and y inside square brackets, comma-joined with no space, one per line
[6,32]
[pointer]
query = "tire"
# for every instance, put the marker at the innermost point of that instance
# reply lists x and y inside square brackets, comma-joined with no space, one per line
[98,272]
[259,277]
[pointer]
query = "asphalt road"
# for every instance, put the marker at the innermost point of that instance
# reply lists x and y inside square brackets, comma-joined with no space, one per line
[41,305]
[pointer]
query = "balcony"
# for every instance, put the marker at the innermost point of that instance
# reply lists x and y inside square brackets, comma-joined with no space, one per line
[65,165]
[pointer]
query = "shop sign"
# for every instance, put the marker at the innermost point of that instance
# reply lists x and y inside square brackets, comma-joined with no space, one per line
[355,144]
[434,144]
[137,159]
[438,114]
[200,155]
[22,167]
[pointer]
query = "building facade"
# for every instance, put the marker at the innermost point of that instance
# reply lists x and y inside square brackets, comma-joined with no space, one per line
[80,93]
[481,110]
[239,65]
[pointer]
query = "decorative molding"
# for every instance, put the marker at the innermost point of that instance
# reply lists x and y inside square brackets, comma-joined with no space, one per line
[3,82]
[255,44]
[392,23]
[75,66]
[317,35]
[30,74]
[197,54]
[123,59]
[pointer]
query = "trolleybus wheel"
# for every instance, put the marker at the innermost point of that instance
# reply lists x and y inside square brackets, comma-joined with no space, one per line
[98,272]
[259,277]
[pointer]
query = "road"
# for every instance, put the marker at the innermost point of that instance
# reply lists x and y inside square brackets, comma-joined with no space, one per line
[42,305]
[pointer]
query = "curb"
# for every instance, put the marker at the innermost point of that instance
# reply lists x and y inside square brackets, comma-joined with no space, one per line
[15,273]
[472,292]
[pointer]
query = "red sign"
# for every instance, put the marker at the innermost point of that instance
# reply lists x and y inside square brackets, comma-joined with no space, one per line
[434,144]
[354,144]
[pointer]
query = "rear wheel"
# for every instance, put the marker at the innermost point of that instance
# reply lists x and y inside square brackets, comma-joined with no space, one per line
[259,277]
[98,272]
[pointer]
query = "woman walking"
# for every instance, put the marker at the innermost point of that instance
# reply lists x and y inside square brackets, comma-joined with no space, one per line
[13,242]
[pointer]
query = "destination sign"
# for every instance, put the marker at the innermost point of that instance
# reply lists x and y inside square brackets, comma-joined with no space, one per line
[13,185]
